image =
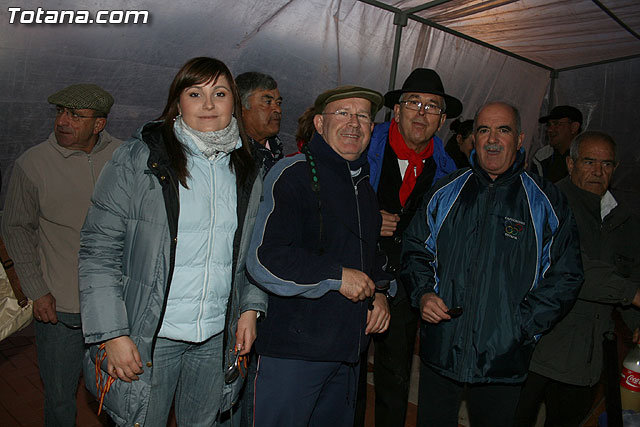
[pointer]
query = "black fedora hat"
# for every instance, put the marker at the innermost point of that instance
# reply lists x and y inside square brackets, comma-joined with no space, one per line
[425,80]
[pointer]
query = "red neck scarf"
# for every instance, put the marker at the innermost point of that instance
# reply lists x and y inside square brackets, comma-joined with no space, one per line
[416,160]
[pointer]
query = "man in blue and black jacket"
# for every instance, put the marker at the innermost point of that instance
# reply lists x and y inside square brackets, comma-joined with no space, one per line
[493,260]
[314,250]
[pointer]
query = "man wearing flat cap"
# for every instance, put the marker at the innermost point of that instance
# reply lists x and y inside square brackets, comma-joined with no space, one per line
[406,158]
[47,200]
[563,123]
[314,250]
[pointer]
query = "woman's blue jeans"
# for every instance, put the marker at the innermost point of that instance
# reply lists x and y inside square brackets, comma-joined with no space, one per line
[193,373]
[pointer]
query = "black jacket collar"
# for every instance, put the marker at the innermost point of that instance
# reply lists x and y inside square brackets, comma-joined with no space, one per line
[326,155]
[509,175]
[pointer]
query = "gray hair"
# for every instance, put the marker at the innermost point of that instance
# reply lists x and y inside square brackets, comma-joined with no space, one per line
[592,134]
[516,114]
[251,81]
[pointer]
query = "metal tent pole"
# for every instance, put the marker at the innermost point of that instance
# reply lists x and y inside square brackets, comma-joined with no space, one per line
[400,21]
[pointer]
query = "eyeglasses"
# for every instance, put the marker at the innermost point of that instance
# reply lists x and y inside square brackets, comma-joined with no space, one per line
[73,114]
[345,116]
[417,106]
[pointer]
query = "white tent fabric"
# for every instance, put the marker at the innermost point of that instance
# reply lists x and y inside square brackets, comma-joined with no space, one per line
[309,46]
[555,33]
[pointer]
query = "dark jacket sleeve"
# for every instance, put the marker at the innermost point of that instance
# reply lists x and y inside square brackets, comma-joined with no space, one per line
[418,254]
[603,284]
[251,296]
[276,259]
[559,285]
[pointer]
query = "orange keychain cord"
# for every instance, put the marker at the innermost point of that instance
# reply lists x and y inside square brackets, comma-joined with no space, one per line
[102,385]
[243,360]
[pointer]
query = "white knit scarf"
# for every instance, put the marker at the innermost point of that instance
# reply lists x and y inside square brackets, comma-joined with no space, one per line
[209,143]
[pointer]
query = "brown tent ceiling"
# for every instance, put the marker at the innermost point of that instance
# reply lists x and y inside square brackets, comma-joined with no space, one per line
[556,34]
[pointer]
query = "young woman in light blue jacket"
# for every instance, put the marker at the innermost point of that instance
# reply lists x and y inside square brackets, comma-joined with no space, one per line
[162,276]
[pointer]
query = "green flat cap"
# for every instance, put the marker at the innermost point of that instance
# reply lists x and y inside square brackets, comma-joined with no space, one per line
[83,95]
[343,92]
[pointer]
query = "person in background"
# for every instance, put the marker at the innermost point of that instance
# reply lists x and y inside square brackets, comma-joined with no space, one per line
[563,123]
[492,259]
[460,144]
[163,292]
[261,114]
[47,200]
[567,363]
[306,129]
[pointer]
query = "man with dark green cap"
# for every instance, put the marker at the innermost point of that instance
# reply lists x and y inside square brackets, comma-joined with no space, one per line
[47,200]
[314,250]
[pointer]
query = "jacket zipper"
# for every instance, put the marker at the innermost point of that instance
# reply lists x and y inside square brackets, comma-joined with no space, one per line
[472,289]
[356,193]
[93,175]
[211,244]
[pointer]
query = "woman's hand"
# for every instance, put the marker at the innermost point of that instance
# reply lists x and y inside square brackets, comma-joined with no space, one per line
[247,331]
[123,359]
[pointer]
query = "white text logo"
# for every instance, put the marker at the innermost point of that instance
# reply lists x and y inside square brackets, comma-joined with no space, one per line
[41,16]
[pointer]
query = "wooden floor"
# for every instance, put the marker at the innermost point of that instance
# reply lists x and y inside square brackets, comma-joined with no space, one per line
[21,396]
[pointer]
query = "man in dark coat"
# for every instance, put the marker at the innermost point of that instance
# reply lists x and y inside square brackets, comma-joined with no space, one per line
[567,363]
[493,260]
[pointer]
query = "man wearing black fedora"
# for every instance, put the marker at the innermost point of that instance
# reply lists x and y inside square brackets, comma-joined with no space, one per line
[406,158]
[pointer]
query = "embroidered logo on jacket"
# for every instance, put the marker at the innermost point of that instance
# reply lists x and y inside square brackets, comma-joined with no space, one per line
[513,227]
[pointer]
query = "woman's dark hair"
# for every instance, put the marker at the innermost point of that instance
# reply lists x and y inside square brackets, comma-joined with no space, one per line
[306,128]
[464,129]
[201,70]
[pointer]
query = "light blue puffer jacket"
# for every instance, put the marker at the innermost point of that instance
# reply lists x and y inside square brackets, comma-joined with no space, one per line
[127,260]
[197,301]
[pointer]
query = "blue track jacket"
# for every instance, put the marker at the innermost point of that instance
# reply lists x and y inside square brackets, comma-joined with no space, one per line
[507,251]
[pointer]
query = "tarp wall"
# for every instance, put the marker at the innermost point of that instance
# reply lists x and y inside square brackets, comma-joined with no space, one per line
[608,97]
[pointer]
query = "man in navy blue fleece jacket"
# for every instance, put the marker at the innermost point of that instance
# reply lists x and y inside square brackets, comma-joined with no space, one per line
[314,249]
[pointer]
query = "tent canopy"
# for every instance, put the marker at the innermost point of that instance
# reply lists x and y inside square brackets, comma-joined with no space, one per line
[553,34]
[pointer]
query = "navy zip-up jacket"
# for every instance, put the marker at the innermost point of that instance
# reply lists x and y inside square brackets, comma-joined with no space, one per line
[507,251]
[308,318]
